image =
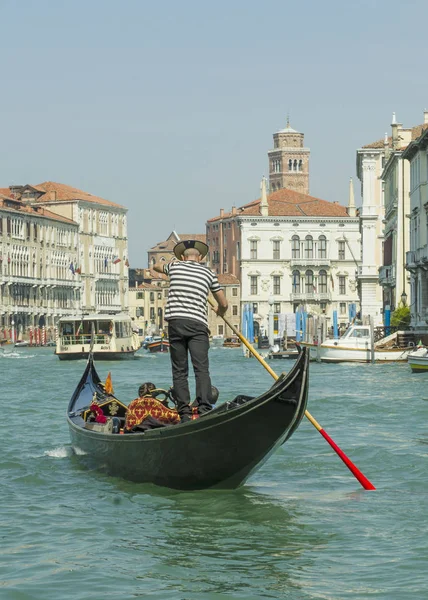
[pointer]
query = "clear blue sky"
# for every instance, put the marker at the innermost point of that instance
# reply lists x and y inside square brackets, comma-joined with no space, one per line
[169,108]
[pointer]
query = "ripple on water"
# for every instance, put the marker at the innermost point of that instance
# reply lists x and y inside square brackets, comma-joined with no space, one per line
[301,528]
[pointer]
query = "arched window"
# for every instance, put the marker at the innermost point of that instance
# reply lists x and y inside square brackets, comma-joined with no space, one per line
[300,164]
[322,282]
[309,282]
[295,165]
[296,282]
[322,246]
[309,247]
[295,246]
[290,165]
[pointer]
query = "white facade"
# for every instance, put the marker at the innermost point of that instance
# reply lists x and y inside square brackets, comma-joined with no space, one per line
[369,169]
[417,256]
[37,286]
[309,261]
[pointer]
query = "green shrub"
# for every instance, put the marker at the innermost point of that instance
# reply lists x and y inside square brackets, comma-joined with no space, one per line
[401,317]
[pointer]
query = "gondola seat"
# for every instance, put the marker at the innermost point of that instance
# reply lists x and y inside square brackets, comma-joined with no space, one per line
[112,407]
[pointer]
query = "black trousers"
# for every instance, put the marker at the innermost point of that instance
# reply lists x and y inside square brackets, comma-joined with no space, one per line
[189,335]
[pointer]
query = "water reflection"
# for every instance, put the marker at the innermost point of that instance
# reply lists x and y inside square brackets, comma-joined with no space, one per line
[222,542]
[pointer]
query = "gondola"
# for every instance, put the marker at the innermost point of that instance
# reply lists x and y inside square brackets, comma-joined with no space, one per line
[218,450]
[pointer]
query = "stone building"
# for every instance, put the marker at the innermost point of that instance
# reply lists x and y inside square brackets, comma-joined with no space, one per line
[38,257]
[102,241]
[232,289]
[147,300]
[289,161]
[293,248]
[377,274]
[417,256]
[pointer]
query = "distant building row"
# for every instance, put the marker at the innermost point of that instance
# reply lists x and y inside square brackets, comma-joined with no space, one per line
[62,251]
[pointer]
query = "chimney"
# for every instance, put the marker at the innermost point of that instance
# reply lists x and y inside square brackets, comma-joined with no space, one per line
[221,212]
[396,127]
[264,207]
[351,203]
[52,195]
[234,211]
[425,117]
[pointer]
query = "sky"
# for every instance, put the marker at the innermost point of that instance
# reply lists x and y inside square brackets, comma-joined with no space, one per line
[169,108]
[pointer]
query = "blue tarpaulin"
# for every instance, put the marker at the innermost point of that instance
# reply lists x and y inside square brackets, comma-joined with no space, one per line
[387,320]
[298,319]
[335,327]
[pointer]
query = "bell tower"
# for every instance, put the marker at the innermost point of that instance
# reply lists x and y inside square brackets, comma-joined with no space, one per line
[289,161]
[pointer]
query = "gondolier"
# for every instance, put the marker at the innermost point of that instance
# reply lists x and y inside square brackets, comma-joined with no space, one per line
[186,313]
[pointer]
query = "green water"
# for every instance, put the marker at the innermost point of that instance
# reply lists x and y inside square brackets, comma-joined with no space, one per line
[301,528]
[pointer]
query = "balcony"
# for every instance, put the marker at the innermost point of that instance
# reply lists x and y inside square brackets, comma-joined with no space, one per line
[310,297]
[310,262]
[387,275]
[417,258]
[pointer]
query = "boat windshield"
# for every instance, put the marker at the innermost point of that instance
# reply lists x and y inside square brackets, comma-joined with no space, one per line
[354,332]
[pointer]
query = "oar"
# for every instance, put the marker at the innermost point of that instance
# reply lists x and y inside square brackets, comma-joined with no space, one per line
[367,485]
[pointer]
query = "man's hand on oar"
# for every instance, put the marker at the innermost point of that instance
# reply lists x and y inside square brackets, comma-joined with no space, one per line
[367,485]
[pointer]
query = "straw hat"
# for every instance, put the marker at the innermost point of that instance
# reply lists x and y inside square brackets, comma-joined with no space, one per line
[186,244]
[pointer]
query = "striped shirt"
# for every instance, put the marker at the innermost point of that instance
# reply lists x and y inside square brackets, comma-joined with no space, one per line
[190,284]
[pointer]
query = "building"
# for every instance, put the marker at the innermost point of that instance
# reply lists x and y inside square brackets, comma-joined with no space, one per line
[38,257]
[371,162]
[232,289]
[102,241]
[147,300]
[417,257]
[289,161]
[163,251]
[293,249]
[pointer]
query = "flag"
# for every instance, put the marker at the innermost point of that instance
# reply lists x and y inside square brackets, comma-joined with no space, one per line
[108,386]
[314,288]
[332,282]
[8,259]
[72,268]
[79,328]
[78,270]
[116,260]
[126,263]
[105,262]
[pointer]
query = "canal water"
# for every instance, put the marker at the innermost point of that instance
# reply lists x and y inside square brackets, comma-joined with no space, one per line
[301,528]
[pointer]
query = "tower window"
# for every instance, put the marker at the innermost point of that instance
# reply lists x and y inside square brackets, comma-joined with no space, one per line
[290,165]
[300,164]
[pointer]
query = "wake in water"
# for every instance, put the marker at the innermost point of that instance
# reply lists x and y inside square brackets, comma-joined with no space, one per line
[15,354]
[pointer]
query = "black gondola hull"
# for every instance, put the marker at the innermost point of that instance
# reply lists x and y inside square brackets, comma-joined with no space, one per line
[219,450]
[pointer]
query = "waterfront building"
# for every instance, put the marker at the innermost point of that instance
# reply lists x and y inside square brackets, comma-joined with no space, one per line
[292,249]
[232,289]
[38,258]
[102,263]
[147,300]
[377,279]
[416,154]
[163,251]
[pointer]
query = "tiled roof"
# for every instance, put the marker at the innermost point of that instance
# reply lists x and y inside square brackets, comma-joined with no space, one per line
[416,132]
[54,192]
[227,278]
[287,203]
[5,192]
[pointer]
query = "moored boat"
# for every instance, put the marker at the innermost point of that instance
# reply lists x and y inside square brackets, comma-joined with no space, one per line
[218,450]
[113,337]
[418,360]
[232,342]
[355,346]
[217,341]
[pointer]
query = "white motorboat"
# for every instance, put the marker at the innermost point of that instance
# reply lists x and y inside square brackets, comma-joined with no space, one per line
[355,346]
[418,360]
[113,337]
